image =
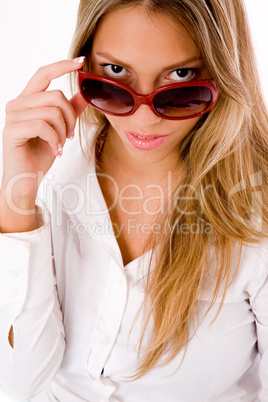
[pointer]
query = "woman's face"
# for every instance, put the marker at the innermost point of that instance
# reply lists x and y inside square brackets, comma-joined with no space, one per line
[145,52]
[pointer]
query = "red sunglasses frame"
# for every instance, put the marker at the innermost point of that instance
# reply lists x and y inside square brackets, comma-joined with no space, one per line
[140,99]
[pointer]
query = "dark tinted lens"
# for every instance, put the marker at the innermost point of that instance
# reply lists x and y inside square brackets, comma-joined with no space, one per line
[108,97]
[182,102]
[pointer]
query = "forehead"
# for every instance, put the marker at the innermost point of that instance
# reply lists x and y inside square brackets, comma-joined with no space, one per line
[136,37]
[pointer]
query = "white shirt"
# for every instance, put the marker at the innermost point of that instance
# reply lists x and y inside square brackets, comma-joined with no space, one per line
[72,304]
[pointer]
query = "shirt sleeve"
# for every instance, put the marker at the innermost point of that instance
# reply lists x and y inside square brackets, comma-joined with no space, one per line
[29,302]
[259,304]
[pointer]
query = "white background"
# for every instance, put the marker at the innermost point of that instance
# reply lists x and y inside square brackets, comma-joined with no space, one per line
[38,32]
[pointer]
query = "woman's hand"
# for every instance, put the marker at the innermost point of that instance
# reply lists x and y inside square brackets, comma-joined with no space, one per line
[37,125]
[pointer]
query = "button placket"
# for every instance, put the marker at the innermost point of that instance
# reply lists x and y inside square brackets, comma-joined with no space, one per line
[109,320]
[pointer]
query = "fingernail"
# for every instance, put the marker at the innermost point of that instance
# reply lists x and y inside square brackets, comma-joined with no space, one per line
[79,59]
[71,135]
[60,150]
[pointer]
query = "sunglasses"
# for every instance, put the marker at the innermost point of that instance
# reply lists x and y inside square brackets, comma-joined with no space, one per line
[174,102]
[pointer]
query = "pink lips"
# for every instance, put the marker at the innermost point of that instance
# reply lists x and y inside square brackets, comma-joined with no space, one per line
[146,142]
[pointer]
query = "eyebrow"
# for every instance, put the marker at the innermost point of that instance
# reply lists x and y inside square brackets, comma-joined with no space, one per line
[171,67]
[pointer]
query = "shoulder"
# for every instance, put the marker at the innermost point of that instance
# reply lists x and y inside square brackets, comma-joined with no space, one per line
[253,268]
[256,254]
[251,274]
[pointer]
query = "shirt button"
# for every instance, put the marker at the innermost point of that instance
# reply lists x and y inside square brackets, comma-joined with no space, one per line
[106,340]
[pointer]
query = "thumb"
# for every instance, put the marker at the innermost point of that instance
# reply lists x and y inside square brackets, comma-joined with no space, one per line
[78,103]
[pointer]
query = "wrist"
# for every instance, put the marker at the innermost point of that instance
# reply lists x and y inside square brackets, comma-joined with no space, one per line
[16,215]
[18,204]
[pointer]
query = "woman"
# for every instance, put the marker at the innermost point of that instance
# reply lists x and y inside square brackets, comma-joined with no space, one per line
[157,285]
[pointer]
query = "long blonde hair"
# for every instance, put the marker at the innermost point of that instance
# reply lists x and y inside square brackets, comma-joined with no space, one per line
[226,163]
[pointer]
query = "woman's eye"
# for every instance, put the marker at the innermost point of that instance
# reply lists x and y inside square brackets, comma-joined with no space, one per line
[113,70]
[184,74]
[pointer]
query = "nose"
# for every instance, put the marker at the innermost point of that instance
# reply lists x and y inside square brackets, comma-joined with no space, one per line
[144,117]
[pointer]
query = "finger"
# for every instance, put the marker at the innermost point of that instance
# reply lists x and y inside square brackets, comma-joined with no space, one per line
[54,98]
[78,103]
[44,75]
[32,129]
[51,115]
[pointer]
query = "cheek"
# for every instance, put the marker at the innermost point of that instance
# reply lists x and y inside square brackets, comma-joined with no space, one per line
[182,128]
[185,126]
[119,123]
[115,120]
